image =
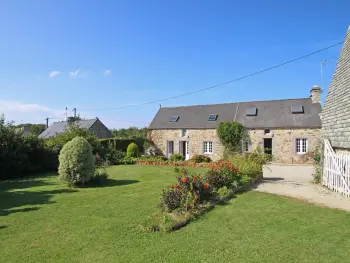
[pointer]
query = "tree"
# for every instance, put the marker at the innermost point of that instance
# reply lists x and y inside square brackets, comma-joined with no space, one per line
[35,129]
[72,131]
[130,133]
[77,163]
[132,150]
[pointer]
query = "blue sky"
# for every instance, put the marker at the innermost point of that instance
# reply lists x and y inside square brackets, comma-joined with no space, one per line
[107,54]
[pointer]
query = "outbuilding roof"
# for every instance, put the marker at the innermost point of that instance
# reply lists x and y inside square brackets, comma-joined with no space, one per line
[59,127]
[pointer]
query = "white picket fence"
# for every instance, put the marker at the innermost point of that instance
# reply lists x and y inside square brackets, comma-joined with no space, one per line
[336,170]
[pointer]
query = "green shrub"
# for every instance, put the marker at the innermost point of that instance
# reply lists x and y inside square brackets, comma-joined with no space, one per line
[216,179]
[100,177]
[231,135]
[77,163]
[200,159]
[113,156]
[250,165]
[176,157]
[171,199]
[23,155]
[259,157]
[127,160]
[121,144]
[223,191]
[133,150]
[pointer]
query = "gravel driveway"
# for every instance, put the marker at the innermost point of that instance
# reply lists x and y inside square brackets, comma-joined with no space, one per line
[294,181]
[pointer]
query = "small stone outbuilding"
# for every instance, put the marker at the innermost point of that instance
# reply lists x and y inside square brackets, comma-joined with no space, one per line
[94,125]
[288,129]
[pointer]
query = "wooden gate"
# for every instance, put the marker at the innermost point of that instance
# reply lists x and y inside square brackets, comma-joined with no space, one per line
[336,170]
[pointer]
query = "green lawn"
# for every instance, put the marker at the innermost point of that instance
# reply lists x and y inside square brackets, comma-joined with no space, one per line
[41,220]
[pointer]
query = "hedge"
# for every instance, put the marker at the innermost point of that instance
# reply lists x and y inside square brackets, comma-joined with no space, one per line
[121,144]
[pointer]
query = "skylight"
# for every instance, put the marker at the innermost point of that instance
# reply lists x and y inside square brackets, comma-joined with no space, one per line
[174,118]
[252,112]
[297,109]
[213,117]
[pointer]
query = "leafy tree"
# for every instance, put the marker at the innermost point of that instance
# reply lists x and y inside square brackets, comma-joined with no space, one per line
[35,129]
[22,155]
[231,135]
[133,150]
[72,120]
[77,163]
[130,133]
[72,131]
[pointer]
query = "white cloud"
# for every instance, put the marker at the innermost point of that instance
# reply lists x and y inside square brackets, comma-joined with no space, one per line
[54,73]
[22,112]
[107,72]
[74,74]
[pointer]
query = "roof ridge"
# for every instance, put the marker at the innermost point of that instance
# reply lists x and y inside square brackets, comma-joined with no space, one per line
[236,102]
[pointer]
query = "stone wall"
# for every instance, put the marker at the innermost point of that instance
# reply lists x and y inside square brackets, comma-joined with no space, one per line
[283,142]
[195,137]
[101,130]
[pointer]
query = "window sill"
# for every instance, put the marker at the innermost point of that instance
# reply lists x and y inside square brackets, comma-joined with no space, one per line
[207,153]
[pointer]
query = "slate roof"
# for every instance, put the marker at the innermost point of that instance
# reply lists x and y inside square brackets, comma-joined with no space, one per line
[59,127]
[335,115]
[271,114]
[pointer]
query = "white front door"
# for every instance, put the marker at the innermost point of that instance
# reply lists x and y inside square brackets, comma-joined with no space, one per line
[187,150]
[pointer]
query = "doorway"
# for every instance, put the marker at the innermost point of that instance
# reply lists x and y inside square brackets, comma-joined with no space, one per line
[184,149]
[268,146]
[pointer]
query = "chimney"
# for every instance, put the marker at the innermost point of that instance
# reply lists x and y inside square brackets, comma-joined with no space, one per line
[316,94]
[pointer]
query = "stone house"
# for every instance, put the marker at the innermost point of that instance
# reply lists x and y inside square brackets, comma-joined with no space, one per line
[336,112]
[94,125]
[288,129]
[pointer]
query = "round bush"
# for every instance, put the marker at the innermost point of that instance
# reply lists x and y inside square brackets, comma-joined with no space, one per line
[133,150]
[77,163]
[176,157]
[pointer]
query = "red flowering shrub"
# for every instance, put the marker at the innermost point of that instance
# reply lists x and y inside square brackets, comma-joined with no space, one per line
[216,179]
[228,171]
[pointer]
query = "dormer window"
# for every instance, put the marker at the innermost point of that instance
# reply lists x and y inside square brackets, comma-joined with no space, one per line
[297,109]
[252,111]
[174,118]
[213,117]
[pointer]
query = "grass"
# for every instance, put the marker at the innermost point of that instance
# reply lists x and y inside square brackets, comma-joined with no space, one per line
[41,220]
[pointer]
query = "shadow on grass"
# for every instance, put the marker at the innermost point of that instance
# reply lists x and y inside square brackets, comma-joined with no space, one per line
[9,201]
[111,183]
[26,182]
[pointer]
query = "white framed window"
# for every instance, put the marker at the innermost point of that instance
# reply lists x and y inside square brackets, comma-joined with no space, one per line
[183,132]
[208,147]
[301,145]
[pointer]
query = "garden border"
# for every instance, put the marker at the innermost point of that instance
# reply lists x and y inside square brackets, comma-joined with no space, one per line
[213,204]
[184,164]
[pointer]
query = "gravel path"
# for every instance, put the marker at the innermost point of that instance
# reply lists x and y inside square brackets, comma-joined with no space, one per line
[294,181]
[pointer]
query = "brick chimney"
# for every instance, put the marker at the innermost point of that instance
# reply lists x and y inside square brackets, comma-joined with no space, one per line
[316,94]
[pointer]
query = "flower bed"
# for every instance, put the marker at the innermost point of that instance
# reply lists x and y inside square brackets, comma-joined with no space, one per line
[184,164]
[194,194]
